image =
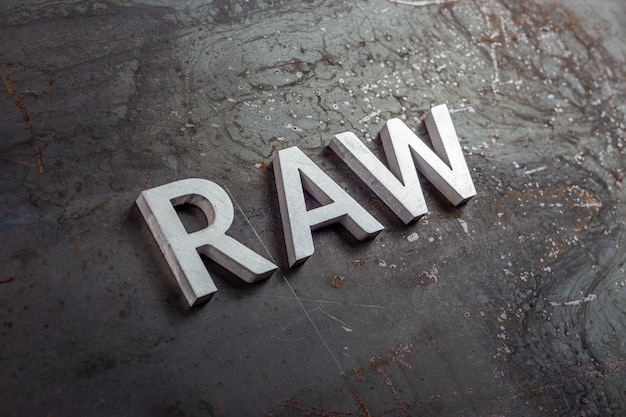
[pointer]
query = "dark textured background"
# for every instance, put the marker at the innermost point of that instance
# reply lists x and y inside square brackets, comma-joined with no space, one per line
[512,305]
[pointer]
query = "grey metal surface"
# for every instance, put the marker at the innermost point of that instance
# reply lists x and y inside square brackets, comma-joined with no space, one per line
[512,304]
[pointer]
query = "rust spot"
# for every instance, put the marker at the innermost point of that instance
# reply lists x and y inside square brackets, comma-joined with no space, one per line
[359,371]
[48,191]
[570,196]
[579,197]
[456,212]
[337,281]
[87,213]
[428,277]
[376,204]
[6,281]
[378,362]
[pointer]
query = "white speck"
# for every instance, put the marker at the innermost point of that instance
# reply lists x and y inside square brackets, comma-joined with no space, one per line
[413,237]
[382,263]
[463,224]
[583,300]
[469,109]
[431,239]
[292,127]
[532,171]
[579,157]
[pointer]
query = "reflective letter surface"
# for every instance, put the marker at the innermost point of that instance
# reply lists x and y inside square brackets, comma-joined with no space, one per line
[181,249]
[293,170]
[445,168]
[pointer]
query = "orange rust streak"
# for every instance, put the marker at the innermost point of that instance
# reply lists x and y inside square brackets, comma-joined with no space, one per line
[311,410]
[20,105]
[364,411]
[378,364]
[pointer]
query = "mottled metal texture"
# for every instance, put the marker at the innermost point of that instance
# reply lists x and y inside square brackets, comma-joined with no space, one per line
[512,304]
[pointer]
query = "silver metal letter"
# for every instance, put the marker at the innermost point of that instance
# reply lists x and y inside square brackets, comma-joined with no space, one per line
[445,168]
[181,249]
[293,170]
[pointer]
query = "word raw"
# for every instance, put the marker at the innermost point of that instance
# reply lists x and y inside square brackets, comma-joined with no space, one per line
[294,172]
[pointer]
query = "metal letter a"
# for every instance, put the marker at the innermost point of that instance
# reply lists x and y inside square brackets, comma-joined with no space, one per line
[293,170]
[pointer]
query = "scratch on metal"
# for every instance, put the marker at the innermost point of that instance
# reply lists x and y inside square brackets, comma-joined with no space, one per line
[293,292]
